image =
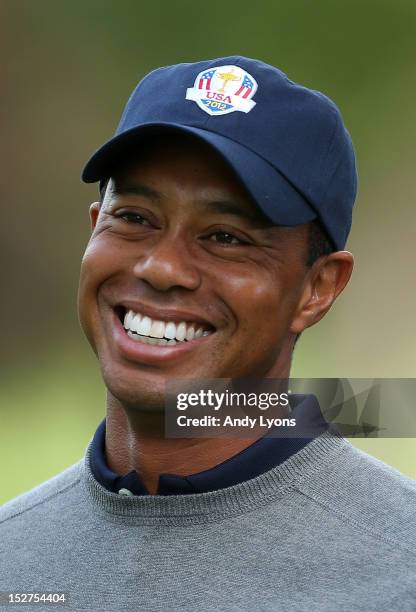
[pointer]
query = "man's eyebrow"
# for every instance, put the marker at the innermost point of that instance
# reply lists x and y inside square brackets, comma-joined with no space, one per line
[233,208]
[138,190]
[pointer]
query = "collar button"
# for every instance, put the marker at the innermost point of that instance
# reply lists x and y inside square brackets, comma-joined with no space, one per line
[125,492]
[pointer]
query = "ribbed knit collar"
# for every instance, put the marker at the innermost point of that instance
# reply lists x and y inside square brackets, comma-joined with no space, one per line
[214,505]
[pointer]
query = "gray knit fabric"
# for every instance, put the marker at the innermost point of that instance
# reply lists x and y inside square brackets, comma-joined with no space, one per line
[329,529]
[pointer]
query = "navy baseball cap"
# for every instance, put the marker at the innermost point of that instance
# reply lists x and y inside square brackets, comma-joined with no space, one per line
[286,143]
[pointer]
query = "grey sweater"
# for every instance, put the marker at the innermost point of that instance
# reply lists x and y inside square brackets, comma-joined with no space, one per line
[329,529]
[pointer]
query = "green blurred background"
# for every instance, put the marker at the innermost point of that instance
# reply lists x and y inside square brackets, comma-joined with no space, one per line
[68,67]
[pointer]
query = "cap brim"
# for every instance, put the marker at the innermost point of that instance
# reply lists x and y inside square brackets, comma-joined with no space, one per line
[280,201]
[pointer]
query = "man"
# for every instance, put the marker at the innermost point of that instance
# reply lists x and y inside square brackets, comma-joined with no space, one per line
[226,200]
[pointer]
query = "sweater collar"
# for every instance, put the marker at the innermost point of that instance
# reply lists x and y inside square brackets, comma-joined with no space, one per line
[311,463]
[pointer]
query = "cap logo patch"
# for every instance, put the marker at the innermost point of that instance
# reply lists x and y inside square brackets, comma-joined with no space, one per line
[223,90]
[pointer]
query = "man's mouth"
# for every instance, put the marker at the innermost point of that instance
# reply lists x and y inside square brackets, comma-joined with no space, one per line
[159,332]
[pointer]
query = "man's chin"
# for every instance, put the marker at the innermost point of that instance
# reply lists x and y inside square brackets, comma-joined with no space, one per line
[144,393]
[138,400]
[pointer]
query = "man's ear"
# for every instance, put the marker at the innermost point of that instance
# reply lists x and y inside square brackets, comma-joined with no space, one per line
[327,278]
[94,210]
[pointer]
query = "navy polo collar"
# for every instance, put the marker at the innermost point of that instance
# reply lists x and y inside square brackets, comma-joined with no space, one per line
[261,456]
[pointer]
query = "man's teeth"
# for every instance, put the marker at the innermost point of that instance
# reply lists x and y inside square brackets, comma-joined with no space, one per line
[148,340]
[152,331]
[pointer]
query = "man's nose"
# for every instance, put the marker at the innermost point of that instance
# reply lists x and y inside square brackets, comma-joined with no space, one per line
[168,264]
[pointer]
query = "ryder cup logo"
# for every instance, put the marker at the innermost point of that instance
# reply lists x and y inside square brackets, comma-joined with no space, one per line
[223,90]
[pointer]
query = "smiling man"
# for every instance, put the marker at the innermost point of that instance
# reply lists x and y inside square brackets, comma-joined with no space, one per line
[225,203]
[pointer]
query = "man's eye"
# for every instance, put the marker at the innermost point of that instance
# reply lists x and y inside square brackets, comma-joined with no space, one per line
[225,238]
[132,217]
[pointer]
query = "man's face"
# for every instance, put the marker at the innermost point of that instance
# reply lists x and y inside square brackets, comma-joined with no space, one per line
[178,239]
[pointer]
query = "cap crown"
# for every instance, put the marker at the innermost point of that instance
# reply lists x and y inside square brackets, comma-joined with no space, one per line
[297,131]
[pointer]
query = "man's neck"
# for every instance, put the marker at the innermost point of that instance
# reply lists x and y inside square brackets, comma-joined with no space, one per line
[140,446]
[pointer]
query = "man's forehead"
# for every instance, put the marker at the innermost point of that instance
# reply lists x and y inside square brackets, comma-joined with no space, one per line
[210,201]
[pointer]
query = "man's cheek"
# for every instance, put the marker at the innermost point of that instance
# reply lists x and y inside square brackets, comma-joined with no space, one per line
[96,250]
[86,319]
[261,301]
[97,263]
[91,277]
